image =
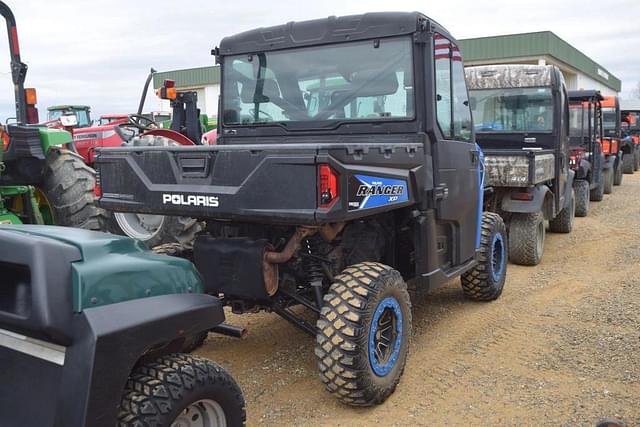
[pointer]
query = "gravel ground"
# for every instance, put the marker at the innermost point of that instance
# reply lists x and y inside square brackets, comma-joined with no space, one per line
[560,347]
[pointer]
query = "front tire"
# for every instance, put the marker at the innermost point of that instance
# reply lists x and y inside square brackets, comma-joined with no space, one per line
[177,388]
[563,222]
[486,281]
[526,238]
[581,189]
[363,334]
[69,191]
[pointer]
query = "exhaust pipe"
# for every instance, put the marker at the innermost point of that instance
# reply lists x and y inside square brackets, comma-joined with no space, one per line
[230,330]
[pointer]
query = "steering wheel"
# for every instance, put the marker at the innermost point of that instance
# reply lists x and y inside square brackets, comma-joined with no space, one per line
[141,122]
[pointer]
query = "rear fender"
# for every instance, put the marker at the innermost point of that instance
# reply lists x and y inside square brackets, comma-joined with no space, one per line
[541,195]
[54,138]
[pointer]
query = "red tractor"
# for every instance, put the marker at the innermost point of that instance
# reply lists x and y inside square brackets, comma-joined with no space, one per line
[139,129]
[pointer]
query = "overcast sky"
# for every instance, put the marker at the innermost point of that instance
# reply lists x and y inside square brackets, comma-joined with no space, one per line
[99,52]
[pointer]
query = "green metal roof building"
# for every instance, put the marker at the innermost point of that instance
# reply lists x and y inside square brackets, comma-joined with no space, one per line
[544,47]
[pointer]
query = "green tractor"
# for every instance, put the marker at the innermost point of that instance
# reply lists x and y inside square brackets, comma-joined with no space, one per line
[42,181]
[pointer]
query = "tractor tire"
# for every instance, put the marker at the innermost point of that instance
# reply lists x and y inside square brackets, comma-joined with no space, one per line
[597,194]
[563,222]
[155,230]
[618,175]
[628,163]
[194,342]
[363,334]
[636,160]
[607,178]
[581,189]
[68,187]
[486,281]
[180,389]
[526,238]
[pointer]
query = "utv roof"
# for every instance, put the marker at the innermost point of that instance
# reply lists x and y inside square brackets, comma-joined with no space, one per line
[327,30]
[585,95]
[68,107]
[509,76]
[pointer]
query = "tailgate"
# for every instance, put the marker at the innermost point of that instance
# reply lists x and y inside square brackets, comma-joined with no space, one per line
[268,182]
[515,168]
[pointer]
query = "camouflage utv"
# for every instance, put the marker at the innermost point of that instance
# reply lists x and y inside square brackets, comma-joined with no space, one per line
[520,114]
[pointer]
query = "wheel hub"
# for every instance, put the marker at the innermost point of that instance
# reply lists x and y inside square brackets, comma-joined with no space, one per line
[203,413]
[139,226]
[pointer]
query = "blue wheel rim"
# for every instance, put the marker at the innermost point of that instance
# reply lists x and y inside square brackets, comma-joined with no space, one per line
[385,336]
[498,258]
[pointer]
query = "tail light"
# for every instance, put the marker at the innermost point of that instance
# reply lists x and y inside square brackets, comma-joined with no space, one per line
[97,189]
[606,146]
[327,186]
[168,90]
[522,196]
[5,140]
[31,99]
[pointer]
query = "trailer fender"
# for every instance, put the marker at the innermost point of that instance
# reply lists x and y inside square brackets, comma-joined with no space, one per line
[541,194]
[112,338]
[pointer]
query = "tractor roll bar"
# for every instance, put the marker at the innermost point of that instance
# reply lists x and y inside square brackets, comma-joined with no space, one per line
[18,68]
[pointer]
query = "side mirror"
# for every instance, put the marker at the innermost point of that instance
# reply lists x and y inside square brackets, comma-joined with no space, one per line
[69,120]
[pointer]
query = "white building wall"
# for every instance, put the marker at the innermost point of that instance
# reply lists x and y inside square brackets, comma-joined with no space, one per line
[207,99]
[585,82]
[211,94]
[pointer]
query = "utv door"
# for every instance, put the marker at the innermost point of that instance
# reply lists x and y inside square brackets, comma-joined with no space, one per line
[456,157]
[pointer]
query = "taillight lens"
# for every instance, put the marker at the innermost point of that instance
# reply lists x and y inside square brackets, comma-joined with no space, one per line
[32,115]
[327,186]
[522,196]
[606,146]
[5,140]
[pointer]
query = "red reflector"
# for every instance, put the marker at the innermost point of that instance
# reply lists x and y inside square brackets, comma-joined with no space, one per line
[32,115]
[97,190]
[327,186]
[14,40]
[169,83]
[522,196]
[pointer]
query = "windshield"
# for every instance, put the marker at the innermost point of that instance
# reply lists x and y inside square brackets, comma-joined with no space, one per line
[368,80]
[609,119]
[512,110]
[578,121]
[81,115]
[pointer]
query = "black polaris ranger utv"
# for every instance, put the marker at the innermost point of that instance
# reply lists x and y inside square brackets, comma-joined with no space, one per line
[521,123]
[586,157]
[345,166]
